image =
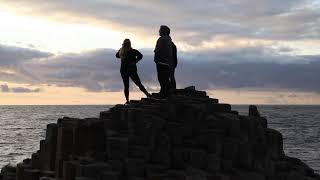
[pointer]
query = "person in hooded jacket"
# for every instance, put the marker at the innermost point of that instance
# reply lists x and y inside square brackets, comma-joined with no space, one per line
[129,58]
[163,57]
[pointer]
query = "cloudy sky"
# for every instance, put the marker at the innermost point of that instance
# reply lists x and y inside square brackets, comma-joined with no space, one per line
[242,52]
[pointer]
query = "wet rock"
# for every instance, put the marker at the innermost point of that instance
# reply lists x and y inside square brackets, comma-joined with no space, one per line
[8,172]
[65,140]
[31,174]
[49,153]
[110,175]
[21,167]
[246,156]
[117,147]
[35,161]
[246,175]
[135,167]
[69,170]
[274,143]
[95,170]
[45,178]
[190,88]
[179,158]
[83,178]
[214,163]
[253,111]
[214,108]
[198,158]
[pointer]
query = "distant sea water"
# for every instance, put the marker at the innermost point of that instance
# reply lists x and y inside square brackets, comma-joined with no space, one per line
[22,127]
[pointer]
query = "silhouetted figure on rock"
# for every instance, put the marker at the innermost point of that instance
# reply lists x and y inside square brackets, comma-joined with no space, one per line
[129,58]
[164,59]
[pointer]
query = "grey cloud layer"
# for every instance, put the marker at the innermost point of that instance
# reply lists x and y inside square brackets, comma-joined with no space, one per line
[5,89]
[196,21]
[192,22]
[251,68]
[11,55]
[12,61]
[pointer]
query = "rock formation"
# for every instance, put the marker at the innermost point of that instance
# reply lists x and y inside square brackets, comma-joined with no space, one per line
[187,136]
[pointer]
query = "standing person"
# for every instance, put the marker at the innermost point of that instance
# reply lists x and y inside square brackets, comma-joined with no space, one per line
[163,59]
[129,58]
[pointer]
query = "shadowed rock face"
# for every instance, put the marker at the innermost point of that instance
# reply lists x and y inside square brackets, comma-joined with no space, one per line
[187,136]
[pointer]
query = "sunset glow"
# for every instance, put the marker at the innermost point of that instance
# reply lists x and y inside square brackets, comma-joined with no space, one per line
[57,52]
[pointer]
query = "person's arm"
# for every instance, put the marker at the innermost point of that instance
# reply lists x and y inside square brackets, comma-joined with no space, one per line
[118,54]
[138,56]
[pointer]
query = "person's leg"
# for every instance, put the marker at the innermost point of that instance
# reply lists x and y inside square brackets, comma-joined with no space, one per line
[163,77]
[173,84]
[166,71]
[125,79]
[135,78]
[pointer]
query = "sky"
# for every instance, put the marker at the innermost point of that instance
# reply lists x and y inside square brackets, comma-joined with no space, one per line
[241,52]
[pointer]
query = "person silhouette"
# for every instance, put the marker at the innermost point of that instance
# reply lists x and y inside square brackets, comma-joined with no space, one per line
[129,58]
[163,57]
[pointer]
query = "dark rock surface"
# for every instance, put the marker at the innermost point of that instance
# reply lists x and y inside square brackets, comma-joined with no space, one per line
[187,136]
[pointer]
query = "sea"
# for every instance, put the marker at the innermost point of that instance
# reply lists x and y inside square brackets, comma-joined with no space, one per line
[22,127]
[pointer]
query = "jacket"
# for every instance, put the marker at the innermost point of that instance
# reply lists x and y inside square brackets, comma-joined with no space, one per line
[131,59]
[163,51]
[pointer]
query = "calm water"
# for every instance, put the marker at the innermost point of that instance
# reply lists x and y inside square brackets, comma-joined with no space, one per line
[22,127]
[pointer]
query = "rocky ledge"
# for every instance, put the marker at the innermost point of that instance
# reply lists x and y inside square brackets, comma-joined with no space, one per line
[187,136]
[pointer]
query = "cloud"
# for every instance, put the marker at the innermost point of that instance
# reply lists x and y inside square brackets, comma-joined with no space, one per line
[192,23]
[253,67]
[13,60]
[95,70]
[5,89]
[25,90]
[11,55]
[251,45]
[248,68]
[265,74]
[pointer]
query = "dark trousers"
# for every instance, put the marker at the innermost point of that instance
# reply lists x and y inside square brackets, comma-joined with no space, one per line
[163,78]
[125,74]
[172,79]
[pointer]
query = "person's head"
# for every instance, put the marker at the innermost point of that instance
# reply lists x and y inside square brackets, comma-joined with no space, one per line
[126,44]
[164,30]
[126,47]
